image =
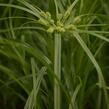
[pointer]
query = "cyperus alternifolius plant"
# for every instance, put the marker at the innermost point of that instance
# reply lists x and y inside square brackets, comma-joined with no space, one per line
[52,54]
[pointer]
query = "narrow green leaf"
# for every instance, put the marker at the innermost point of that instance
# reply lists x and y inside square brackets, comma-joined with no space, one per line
[30,101]
[33,67]
[97,35]
[90,55]
[20,8]
[73,99]
[68,12]
[31,7]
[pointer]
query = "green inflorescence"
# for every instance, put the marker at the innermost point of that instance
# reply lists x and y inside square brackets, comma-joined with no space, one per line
[59,26]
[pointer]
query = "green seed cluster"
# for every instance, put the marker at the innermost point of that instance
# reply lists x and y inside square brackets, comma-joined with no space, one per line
[58,26]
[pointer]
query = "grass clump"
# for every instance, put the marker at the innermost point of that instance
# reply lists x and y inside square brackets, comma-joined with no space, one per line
[53,54]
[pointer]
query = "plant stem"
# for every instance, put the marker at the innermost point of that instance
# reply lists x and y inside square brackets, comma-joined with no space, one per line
[57,71]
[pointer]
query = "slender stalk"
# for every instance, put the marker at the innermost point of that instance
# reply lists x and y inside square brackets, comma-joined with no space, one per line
[99,99]
[57,70]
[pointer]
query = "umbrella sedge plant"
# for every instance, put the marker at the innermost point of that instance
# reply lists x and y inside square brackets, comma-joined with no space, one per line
[51,53]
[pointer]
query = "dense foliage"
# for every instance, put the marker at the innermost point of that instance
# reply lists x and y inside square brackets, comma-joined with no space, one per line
[54,54]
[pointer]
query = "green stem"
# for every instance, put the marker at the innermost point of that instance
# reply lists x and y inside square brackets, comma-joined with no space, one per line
[57,70]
